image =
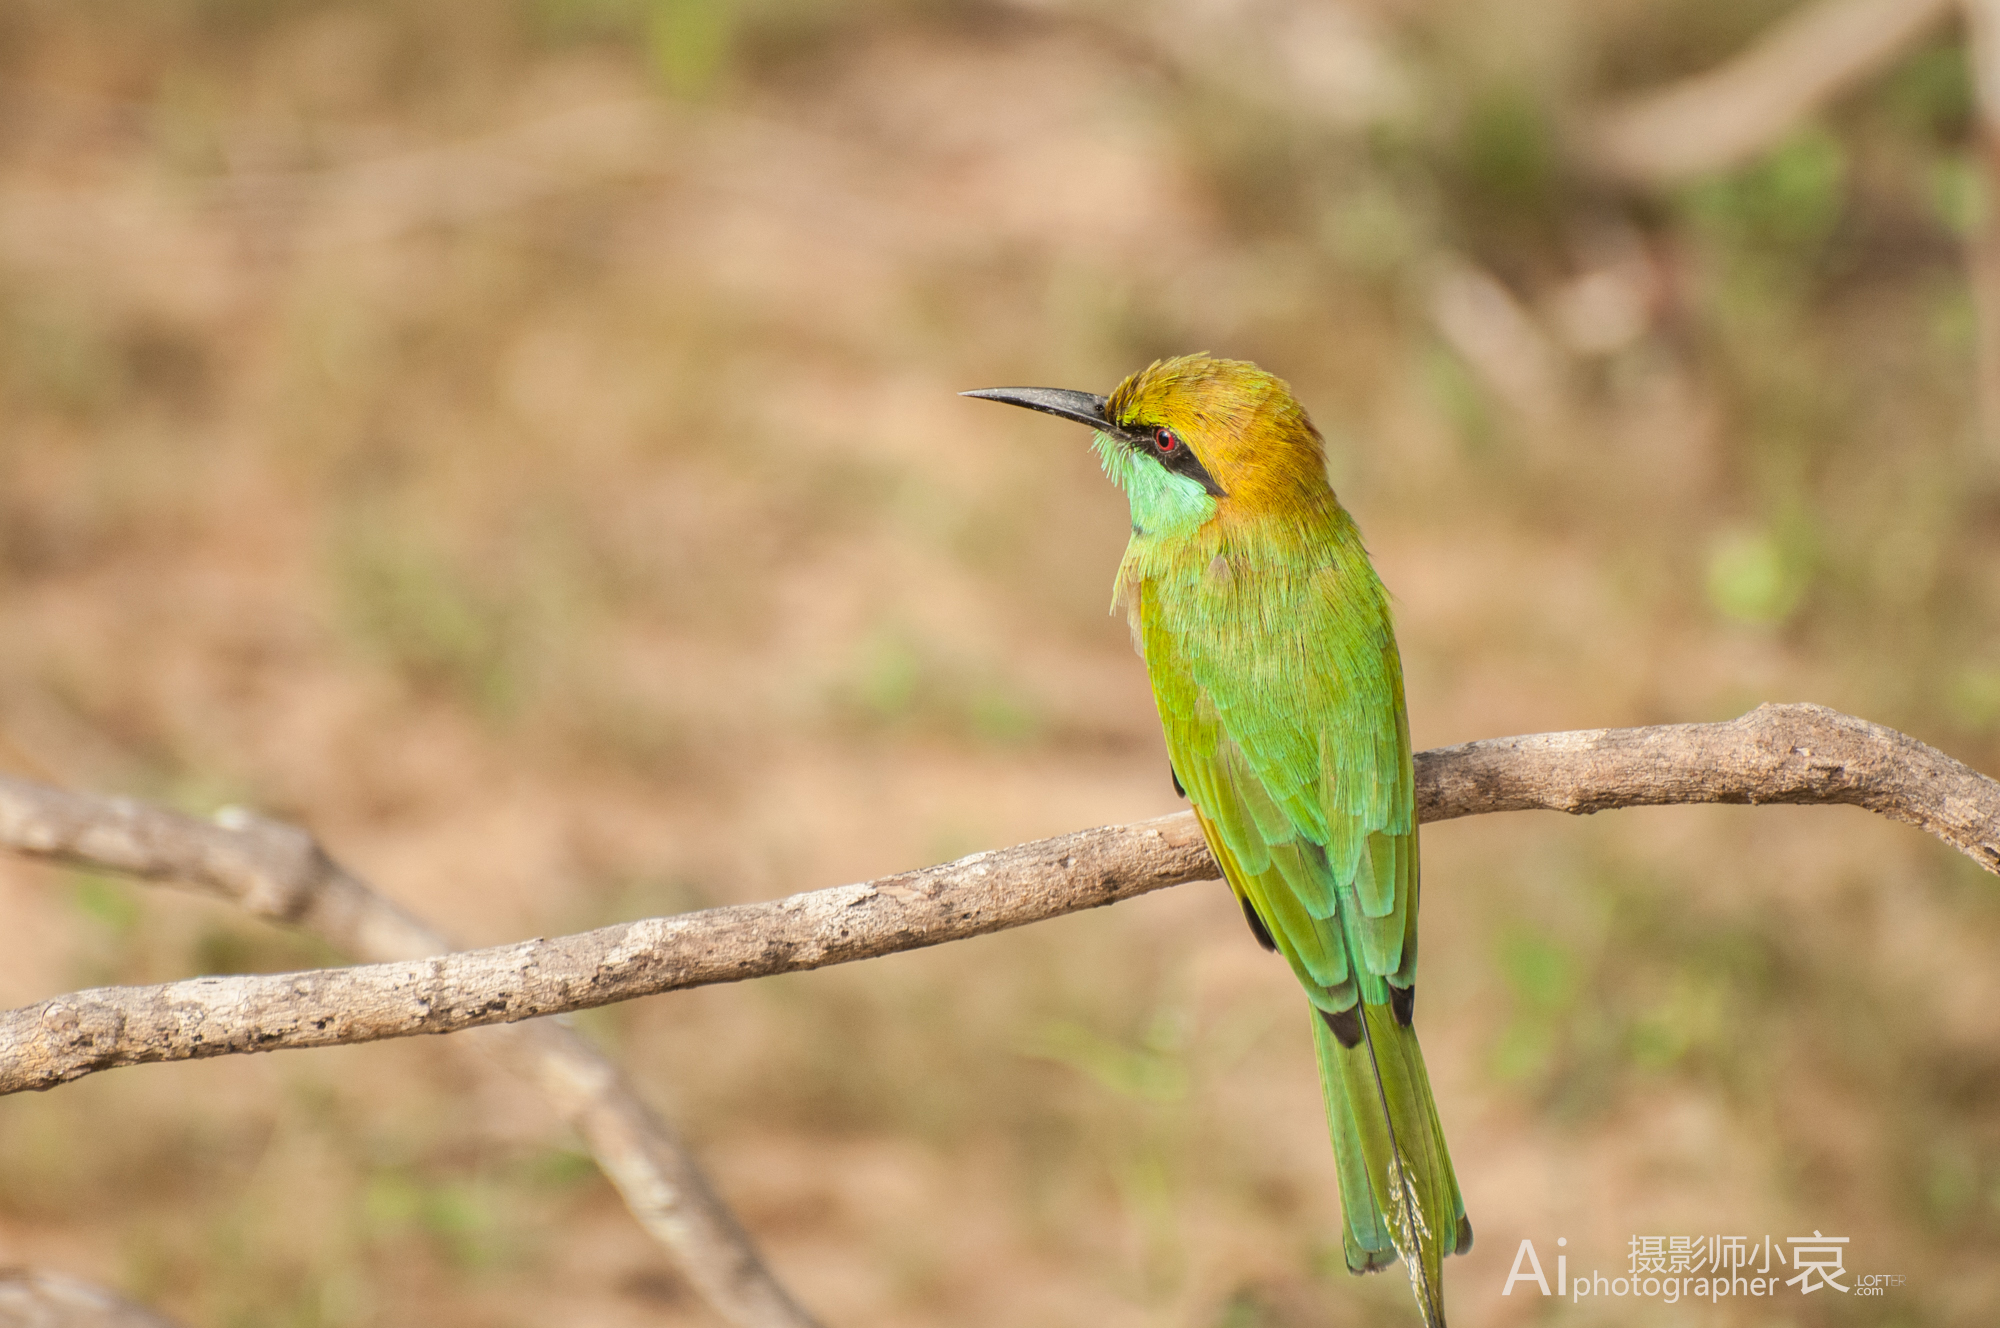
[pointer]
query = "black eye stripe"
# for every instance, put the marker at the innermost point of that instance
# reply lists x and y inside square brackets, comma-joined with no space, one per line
[1171,451]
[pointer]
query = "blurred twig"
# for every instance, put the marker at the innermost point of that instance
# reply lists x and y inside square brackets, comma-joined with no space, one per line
[279,872]
[1723,118]
[1319,63]
[1791,753]
[31,1298]
[1501,341]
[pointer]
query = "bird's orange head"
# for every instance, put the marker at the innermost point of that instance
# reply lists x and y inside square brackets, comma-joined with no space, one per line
[1195,436]
[1244,426]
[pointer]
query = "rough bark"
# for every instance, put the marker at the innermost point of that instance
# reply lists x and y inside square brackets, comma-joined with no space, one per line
[1777,753]
[61,1039]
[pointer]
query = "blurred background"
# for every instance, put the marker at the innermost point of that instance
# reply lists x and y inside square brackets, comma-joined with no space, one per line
[517,440]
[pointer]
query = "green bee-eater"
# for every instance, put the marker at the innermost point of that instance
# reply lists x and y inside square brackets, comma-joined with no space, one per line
[1267,637]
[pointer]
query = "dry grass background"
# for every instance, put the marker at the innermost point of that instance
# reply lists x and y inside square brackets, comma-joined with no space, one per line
[518,441]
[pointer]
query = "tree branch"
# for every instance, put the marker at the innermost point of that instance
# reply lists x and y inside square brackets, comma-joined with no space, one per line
[1789,753]
[1802,754]
[279,872]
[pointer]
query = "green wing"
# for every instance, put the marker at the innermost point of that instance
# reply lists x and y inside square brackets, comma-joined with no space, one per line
[1282,702]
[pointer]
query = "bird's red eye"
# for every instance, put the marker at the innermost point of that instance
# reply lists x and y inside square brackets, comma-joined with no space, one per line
[1164,440]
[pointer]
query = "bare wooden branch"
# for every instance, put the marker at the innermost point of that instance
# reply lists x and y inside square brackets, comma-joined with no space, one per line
[34,1298]
[279,872]
[1777,753]
[1725,117]
[1802,754]
[58,1040]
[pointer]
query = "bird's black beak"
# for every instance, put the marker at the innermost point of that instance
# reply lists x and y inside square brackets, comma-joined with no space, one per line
[1088,408]
[1083,407]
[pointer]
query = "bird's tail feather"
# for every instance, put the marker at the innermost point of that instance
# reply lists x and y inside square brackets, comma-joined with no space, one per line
[1397,1192]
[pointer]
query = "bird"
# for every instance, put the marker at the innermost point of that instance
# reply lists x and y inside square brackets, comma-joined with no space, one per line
[1268,639]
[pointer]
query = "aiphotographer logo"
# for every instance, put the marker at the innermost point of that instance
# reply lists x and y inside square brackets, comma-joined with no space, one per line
[1711,1268]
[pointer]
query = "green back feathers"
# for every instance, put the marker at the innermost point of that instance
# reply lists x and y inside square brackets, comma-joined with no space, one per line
[1274,666]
